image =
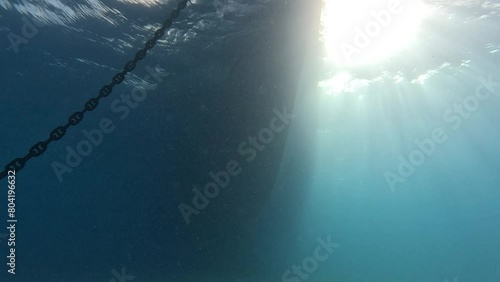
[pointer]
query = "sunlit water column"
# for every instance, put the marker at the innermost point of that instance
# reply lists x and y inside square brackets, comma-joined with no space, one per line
[389,110]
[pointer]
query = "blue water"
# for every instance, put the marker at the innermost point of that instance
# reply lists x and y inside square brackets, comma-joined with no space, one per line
[388,180]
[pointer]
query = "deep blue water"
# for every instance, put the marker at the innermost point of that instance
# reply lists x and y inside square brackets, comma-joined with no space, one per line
[394,177]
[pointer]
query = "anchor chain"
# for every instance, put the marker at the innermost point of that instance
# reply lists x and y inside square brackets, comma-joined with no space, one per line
[59,132]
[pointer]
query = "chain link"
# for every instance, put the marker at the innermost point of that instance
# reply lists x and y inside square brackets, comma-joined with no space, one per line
[59,132]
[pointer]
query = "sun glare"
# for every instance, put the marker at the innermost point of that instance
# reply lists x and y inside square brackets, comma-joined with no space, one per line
[361,32]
